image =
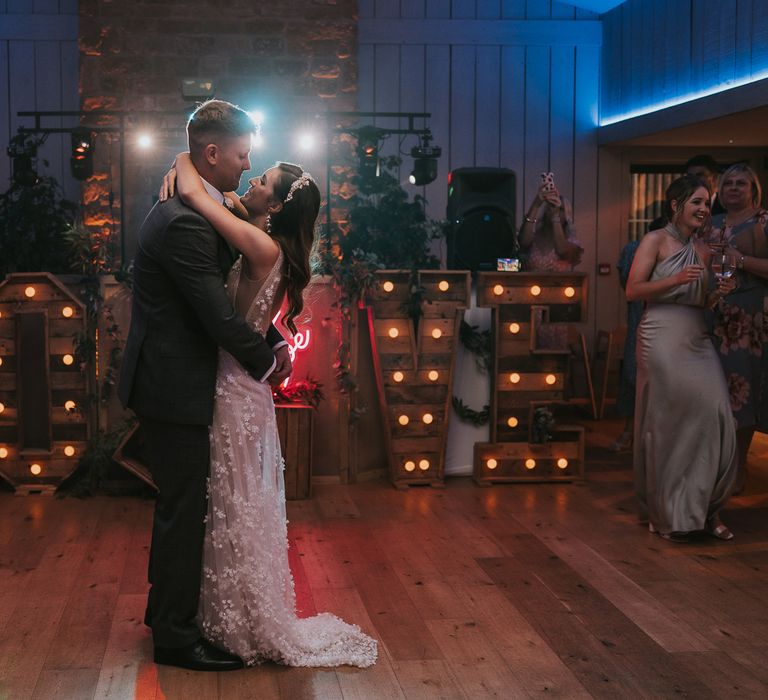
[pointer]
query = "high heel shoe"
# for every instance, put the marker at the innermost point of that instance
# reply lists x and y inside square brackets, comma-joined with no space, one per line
[715,528]
[678,537]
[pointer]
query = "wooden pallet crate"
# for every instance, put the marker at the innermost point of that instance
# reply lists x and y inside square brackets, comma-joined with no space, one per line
[44,391]
[413,363]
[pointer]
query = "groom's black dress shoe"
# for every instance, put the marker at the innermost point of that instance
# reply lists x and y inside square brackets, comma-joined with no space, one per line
[198,656]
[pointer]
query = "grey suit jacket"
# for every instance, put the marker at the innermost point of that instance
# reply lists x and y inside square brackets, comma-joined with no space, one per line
[180,316]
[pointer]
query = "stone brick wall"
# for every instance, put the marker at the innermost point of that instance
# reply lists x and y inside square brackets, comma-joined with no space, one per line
[297,58]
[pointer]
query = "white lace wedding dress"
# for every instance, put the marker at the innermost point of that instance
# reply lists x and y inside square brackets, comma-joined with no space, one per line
[247,601]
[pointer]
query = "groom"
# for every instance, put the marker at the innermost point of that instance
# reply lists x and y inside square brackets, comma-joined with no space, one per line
[181,315]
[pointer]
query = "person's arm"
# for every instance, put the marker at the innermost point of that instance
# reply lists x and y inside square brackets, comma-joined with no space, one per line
[237,207]
[565,248]
[191,260]
[757,263]
[528,227]
[639,286]
[251,241]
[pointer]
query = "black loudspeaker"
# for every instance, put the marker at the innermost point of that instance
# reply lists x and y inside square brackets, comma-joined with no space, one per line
[481,217]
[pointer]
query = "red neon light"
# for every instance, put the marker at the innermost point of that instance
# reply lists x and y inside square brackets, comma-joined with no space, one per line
[297,343]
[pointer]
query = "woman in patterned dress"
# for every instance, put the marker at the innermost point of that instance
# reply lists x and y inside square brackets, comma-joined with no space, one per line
[739,322]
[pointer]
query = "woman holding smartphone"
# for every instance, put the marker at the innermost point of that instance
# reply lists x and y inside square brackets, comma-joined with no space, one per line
[547,237]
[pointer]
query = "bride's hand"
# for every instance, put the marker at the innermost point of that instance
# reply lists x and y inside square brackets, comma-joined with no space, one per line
[168,186]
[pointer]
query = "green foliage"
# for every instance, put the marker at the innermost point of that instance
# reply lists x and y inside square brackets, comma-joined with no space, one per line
[384,222]
[92,476]
[470,415]
[543,425]
[387,230]
[478,343]
[33,221]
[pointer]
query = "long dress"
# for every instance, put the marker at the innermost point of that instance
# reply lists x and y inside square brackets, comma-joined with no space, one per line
[685,437]
[247,601]
[739,332]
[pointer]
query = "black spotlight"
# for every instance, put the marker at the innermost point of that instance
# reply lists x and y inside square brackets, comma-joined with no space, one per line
[368,152]
[424,161]
[81,161]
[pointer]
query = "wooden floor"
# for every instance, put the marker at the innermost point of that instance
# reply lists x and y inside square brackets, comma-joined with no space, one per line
[511,591]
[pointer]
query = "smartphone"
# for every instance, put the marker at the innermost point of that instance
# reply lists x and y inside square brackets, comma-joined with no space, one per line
[548,180]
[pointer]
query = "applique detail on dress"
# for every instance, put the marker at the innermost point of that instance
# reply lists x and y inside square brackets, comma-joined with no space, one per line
[247,601]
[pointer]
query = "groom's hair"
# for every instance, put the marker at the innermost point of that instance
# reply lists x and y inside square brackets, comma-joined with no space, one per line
[214,120]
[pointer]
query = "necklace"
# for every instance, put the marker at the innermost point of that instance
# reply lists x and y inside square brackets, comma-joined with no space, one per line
[672,231]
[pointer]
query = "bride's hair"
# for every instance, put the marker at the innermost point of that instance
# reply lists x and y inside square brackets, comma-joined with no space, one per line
[294,228]
[680,191]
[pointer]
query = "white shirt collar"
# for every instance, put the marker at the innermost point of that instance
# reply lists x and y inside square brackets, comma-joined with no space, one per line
[211,190]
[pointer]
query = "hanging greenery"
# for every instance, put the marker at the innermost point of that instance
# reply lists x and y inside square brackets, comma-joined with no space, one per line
[470,415]
[478,343]
[387,230]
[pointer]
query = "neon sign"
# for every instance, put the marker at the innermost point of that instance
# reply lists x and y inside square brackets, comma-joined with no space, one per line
[299,342]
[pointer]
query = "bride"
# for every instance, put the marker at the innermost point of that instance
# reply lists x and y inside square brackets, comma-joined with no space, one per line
[247,600]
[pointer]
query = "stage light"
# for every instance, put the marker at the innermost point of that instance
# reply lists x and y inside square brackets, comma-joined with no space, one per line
[368,152]
[424,162]
[393,332]
[433,375]
[443,285]
[403,420]
[36,469]
[257,116]
[498,290]
[491,463]
[81,160]
[514,328]
[427,418]
[569,292]
[387,286]
[409,466]
[512,422]
[535,290]
[562,463]
[69,451]
[307,141]
[398,377]
[424,464]
[3,452]
[144,141]
[68,359]
[67,312]
[29,292]
[530,464]
[514,378]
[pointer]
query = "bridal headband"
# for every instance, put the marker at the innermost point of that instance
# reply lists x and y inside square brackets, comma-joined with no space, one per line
[297,184]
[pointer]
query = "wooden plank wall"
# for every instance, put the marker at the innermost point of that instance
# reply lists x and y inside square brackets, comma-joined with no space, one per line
[509,84]
[39,72]
[659,49]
